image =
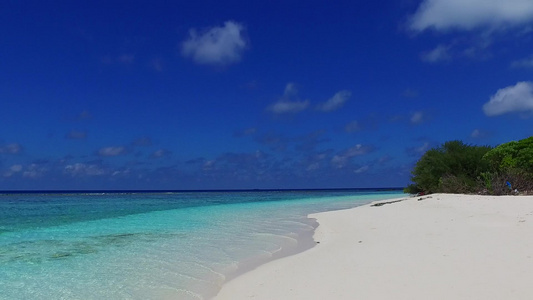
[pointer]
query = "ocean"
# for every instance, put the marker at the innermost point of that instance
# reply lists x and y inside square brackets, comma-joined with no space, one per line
[171,245]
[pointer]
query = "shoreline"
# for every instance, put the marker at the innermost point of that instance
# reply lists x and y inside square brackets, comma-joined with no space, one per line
[439,246]
[306,240]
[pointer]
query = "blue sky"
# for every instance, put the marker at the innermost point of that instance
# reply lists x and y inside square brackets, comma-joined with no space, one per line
[262,94]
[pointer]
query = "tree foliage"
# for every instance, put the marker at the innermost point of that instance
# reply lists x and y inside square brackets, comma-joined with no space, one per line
[512,156]
[451,167]
[510,162]
[455,167]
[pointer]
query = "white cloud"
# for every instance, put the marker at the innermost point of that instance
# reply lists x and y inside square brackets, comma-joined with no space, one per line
[439,54]
[111,151]
[339,161]
[217,46]
[479,134]
[335,102]
[160,153]
[31,174]
[76,135]
[31,171]
[282,107]
[444,15]
[517,98]
[353,126]
[13,170]
[313,166]
[422,149]
[418,151]
[13,148]
[357,150]
[342,159]
[286,104]
[290,90]
[523,63]
[208,165]
[362,169]
[16,168]
[417,117]
[384,159]
[80,169]
[34,171]
[124,172]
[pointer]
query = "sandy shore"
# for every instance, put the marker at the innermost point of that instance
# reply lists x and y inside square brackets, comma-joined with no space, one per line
[441,247]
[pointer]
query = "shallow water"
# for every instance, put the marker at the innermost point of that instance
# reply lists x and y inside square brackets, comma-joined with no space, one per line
[151,246]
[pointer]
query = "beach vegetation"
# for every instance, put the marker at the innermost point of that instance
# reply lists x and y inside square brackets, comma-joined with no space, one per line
[452,167]
[456,167]
[511,167]
[512,156]
[412,189]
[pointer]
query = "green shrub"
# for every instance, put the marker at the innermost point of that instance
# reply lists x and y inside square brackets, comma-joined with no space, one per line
[486,179]
[511,156]
[455,167]
[452,167]
[412,189]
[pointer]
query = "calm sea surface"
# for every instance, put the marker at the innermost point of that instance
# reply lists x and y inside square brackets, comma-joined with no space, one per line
[180,245]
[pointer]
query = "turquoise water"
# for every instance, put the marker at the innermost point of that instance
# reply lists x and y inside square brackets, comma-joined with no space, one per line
[151,246]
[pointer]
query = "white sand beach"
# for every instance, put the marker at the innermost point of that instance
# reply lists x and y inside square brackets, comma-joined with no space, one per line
[441,247]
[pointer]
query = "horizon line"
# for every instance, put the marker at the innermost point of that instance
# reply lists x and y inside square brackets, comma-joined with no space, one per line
[125,191]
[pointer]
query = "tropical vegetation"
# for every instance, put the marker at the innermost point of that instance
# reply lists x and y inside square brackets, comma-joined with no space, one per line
[456,167]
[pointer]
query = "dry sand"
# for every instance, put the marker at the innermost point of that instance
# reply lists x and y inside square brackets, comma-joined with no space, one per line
[441,247]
